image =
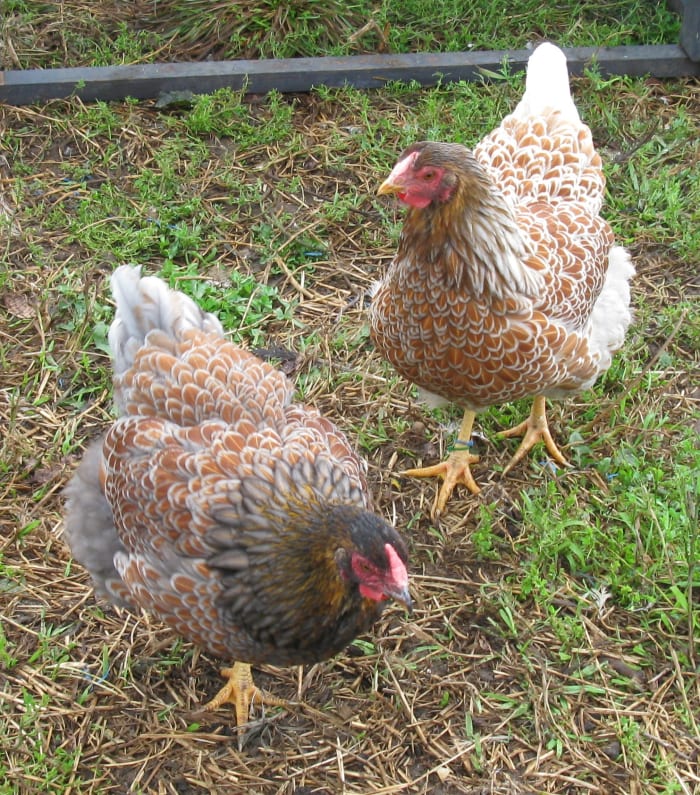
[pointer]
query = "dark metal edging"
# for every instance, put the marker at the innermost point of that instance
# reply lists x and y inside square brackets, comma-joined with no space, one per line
[144,81]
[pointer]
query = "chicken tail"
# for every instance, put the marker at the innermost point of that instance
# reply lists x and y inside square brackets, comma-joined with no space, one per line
[145,304]
[611,315]
[547,85]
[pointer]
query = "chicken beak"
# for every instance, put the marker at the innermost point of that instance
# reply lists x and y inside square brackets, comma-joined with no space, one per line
[402,595]
[388,187]
[395,586]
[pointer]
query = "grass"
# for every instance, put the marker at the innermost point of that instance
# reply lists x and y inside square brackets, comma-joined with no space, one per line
[554,643]
[89,34]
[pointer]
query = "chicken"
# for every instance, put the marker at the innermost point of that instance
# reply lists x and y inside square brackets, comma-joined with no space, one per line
[237,517]
[507,282]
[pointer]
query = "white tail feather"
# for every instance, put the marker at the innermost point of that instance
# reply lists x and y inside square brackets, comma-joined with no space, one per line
[611,313]
[145,304]
[547,85]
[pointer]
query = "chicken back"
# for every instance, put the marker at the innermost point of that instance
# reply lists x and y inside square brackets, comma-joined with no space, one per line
[236,516]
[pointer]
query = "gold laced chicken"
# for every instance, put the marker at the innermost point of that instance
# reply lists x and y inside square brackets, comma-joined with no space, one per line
[216,503]
[507,283]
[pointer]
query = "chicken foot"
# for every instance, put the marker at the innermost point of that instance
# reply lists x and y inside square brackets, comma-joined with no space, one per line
[241,691]
[454,469]
[533,430]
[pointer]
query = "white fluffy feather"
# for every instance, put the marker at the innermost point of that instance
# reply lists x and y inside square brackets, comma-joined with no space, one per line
[547,85]
[144,305]
[611,314]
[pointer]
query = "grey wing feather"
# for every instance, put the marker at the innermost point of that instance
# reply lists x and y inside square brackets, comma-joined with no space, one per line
[89,529]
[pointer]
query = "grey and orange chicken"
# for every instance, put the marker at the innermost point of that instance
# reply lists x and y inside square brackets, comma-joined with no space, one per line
[507,282]
[216,503]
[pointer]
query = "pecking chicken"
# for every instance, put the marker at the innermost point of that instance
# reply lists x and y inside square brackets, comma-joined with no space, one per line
[506,282]
[236,516]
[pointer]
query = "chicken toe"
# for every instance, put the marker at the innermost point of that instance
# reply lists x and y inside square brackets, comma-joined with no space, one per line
[533,430]
[455,469]
[241,691]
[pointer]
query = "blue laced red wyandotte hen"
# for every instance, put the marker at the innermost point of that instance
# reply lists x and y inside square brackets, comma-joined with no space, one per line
[506,282]
[239,518]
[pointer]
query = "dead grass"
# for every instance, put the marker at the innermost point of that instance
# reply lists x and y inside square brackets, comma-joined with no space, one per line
[35,34]
[182,30]
[454,699]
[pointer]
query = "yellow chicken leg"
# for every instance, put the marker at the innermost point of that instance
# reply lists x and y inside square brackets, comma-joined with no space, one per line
[454,469]
[241,691]
[534,429]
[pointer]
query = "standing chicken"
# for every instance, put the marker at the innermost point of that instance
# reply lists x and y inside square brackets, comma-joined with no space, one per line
[506,282]
[239,518]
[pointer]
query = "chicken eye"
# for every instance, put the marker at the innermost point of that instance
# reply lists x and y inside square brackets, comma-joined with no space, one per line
[363,568]
[428,175]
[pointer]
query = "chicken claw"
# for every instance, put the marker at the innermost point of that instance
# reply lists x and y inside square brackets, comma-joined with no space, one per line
[241,691]
[455,469]
[533,430]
